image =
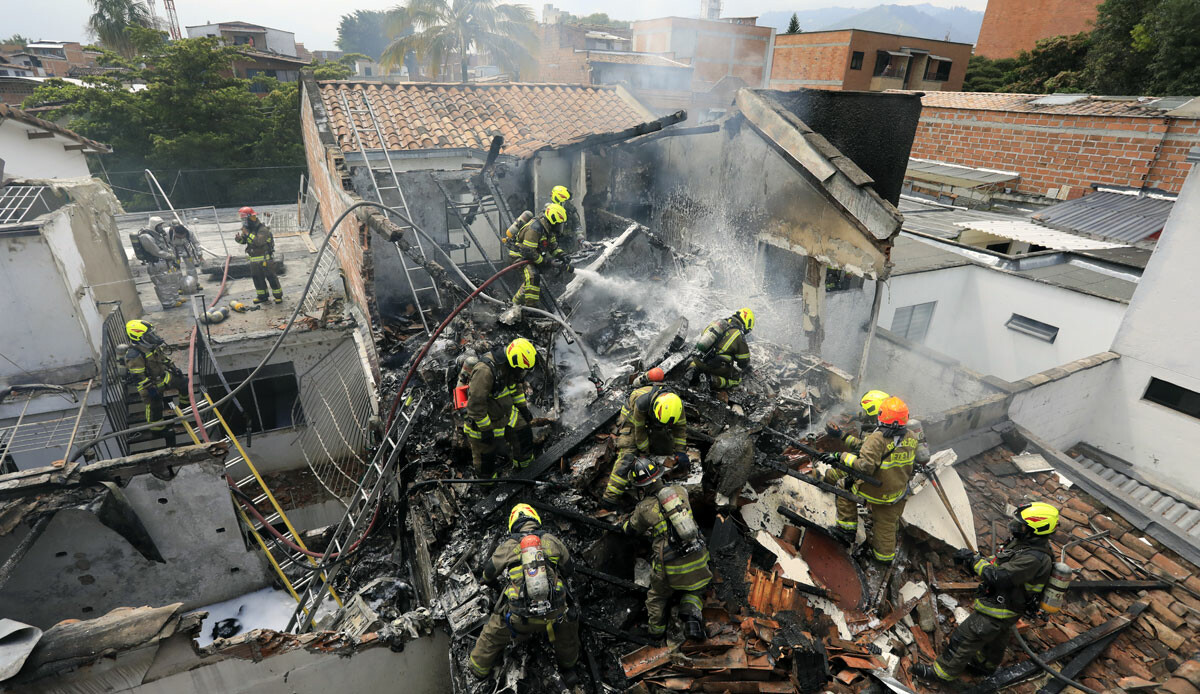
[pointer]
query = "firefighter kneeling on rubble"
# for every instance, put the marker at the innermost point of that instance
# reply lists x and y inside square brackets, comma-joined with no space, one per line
[652,422]
[1012,584]
[888,454]
[679,561]
[537,242]
[534,566]
[722,352]
[498,416]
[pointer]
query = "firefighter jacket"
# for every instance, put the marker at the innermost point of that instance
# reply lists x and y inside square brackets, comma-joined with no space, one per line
[505,562]
[154,246]
[149,366]
[257,238]
[637,424]
[685,570]
[722,341]
[888,459]
[537,241]
[854,443]
[1013,578]
[495,398]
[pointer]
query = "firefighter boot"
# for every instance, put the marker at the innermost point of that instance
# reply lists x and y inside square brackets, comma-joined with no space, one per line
[924,671]
[693,630]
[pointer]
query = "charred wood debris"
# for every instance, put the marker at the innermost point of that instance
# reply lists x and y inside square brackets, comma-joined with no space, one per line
[850,626]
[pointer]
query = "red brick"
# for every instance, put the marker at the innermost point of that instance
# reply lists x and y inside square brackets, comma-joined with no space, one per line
[1170,566]
[1178,685]
[1128,665]
[1133,542]
[1189,671]
[1165,634]
[1193,582]
[1103,522]
[1161,608]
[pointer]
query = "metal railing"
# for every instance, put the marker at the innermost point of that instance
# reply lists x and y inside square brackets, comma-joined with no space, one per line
[113,389]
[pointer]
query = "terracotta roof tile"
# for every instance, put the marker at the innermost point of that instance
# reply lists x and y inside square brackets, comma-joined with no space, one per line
[451,116]
[1085,106]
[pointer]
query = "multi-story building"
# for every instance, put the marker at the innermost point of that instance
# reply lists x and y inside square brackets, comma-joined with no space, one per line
[729,47]
[867,61]
[265,51]
[1012,26]
[50,58]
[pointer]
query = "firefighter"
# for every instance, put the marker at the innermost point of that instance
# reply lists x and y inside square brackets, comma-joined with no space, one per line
[152,371]
[537,242]
[154,249]
[569,238]
[498,416]
[722,352]
[1012,584]
[652,422]
[888,454]
[868,420]
[260,250]
[534,566]
[187,253]
[679,562]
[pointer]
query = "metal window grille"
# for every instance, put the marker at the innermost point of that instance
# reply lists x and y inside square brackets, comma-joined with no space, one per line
[19,202]
[912,322]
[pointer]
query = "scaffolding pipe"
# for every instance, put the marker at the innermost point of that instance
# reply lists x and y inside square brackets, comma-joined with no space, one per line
[78,417]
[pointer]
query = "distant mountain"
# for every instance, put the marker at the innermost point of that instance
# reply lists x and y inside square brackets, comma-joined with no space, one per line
[810,20]
[924,21]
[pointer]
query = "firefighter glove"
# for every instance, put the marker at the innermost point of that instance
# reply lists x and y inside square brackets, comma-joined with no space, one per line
[964,557]
[831,458]
[834,431]
[681,458]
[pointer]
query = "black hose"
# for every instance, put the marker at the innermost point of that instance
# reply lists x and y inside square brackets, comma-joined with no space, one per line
[1042,664]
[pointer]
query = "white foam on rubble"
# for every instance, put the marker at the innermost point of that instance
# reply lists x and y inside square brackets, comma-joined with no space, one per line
[263,609]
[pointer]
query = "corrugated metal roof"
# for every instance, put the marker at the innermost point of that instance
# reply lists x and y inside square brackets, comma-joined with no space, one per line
[1036,234]
[940,220]
[955,174]
[1110,215]
[1154,502]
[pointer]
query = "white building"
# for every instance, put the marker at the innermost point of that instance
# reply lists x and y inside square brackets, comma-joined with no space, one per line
[259,38]
[34,148]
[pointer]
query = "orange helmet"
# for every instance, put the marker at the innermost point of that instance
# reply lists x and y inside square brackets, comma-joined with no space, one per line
[246,212]
[893,412]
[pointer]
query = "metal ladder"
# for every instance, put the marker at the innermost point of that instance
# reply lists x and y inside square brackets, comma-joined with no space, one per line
[361,510]
[286,563]
[409,266]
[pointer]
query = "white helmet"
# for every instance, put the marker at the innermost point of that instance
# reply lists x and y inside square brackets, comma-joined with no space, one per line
[155,221]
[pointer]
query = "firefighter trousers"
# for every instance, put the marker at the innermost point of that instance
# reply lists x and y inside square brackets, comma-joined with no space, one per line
[262,273]
[721,374]
[485,456]
[166,281]
[980,641]
[530,291]
[658,601]
[885,524]
[500,629]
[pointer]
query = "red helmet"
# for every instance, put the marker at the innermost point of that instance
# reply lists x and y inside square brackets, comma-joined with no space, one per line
[245,212]
[893,412]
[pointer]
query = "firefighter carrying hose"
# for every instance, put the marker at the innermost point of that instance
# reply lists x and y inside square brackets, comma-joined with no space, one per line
[498,416]
[152,371]
[260,251]
[533,566]
[722,352]
[537,242]
[1013,581]
[888,453]
[679,561]
[652,422]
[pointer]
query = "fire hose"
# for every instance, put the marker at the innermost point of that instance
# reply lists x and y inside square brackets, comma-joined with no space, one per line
[1049,670]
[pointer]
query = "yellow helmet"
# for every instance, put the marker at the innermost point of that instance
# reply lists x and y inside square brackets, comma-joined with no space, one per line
[560,194]
[873,401]
[556,213]
[135,329]
[1039,516]
[668,408]
[521,512]
[521,354]
[746,316]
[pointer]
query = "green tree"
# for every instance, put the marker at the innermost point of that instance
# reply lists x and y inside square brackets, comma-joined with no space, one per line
[15,40]
[1114,65]
[793,25]
[986,75]
[1170,34]
[332,70]
[1055,65]
[364,31]
[111,19]
[445,30]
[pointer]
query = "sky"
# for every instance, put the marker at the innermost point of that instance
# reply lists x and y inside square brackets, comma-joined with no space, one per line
[315,21]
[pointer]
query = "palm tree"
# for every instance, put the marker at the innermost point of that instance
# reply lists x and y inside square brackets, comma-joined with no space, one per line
[445,29]
[111,19]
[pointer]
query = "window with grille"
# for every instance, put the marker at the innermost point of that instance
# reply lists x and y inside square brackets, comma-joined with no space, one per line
[1175,397]
[912,322]
[1032,328]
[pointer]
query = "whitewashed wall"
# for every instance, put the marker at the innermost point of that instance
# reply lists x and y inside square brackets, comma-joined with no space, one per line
[40,158]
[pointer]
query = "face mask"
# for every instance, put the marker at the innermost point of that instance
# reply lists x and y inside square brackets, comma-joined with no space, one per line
[1017,528]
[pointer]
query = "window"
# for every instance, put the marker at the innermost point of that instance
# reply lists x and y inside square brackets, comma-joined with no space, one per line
[882,61]
[1170,395]
[271,401]
[839,281]
[856,59]
[912,322]
[1033,328]
[937,70]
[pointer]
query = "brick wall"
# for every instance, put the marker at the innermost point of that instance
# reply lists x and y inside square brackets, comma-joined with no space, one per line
[818,60]
[557,60]
[1050,151]
[1012,26]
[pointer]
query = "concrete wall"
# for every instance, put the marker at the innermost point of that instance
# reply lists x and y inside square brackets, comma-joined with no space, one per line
[80,568]
[973,304]
[1050,151]
[924,378]
[1060,404]
[40,158]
